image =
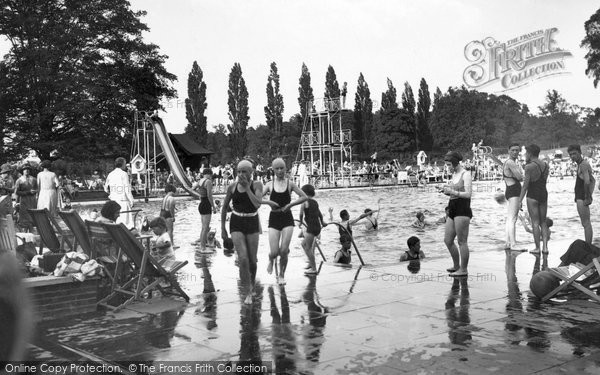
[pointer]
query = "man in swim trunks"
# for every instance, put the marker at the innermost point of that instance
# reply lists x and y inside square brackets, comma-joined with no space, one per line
[511,172]
[534,186]
[584,187]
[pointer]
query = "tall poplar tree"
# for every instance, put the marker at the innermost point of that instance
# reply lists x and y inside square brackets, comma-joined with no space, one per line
[274,107]
[238,111]
[408,103]
[422,117]
[195,105]
[332,87]
[388,98]
[363,114]
[305,93]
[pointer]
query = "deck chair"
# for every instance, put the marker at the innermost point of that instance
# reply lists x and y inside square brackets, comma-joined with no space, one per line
[50,231]
[8,235]
[77,227]
[97,237]
[591,273]
[149,274]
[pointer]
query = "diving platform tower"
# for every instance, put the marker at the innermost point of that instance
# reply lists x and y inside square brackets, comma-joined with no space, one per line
[324,144]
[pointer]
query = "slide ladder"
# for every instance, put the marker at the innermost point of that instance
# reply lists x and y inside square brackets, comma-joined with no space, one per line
[169,151]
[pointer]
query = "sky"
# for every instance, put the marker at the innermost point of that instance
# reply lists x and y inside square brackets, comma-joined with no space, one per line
[402,40]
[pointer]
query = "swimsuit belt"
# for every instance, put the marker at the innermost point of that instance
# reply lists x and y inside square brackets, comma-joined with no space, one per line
[245,214]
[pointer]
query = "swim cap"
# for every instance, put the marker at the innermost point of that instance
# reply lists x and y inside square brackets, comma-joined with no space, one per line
[245,164]
[278,163]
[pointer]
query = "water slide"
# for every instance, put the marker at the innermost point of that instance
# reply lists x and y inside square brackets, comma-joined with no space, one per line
[170,155]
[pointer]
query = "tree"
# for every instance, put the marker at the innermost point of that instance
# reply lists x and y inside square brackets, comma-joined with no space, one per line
[388,98]
[238,111]
[363,113]
[555,104]
[436,96]
[305,92]
[591,41]
[78,69]
[394,133]
[332,87]
[424,138]
[195,105]
[274,107]
[218,142]
[408,103]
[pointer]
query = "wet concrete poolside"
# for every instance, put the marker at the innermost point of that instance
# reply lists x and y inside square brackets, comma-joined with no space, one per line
[372,319]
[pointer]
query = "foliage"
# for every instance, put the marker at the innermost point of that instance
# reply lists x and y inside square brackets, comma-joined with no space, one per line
[388,98]
[394,133]
[363,114]
[238,111]
[408,103]
[219,143]
[274,107]
[305,92]
[425,141]
[591,42]
[332,87]
[195,105]
[77,70]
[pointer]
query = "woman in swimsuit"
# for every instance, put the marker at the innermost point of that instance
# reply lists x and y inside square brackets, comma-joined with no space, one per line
[534,186]
[281,221]
[246,196]
[459,213]
[206,206]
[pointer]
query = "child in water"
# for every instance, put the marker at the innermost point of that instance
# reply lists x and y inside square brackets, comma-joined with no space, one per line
[420,222]
[371,221]
[346,223]
[414,250]
[343,255]
[163,249]
[211,242]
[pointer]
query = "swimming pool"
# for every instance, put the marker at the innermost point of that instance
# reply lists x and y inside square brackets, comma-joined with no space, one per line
[398,208]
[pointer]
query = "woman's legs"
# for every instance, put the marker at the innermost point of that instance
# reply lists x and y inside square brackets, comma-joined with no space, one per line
[205,219]
[461,224]
[284,250]
[252,247]
[534,215]
[240,245]
[274,237]
[449,235]
[169,222]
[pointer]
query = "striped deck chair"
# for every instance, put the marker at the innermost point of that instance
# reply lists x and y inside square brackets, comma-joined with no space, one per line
[150,274]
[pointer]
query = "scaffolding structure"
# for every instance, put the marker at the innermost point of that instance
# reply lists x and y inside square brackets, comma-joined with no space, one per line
[324,143]
[144,156]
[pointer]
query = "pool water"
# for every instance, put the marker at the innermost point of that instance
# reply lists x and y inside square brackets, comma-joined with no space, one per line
[398,207]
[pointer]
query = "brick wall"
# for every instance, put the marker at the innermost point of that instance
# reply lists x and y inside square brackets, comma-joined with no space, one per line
[61,297]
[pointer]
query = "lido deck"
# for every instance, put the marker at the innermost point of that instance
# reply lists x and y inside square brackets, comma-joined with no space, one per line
[380,319]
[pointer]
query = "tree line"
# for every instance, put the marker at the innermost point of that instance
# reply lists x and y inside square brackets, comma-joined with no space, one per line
[76,71]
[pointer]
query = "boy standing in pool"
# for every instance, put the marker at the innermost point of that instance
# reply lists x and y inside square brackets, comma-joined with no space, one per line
[414,250]
[343,255]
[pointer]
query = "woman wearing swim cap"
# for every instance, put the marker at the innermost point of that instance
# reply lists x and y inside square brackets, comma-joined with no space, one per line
[459,213]
[246,196]
[281,221]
